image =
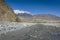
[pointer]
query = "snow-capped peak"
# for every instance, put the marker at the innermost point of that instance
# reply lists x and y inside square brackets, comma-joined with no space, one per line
[21,11]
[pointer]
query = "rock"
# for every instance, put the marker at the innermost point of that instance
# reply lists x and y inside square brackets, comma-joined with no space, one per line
[6,13]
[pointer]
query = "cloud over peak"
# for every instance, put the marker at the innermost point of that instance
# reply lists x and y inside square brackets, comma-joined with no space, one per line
[21,11]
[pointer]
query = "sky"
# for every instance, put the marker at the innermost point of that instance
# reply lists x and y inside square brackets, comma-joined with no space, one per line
[36,6]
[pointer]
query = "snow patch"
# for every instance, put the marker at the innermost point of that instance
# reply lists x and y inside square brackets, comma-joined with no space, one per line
[21,11]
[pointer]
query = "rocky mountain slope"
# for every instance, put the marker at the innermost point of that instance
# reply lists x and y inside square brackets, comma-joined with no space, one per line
[45,18]
[6,13]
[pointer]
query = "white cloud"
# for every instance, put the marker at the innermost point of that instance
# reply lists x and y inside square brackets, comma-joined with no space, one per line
[20,11]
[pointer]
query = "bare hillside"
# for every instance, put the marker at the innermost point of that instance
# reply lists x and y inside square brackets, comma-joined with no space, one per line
[6,13]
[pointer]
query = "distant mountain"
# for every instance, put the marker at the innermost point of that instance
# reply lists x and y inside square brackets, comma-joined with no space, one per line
[45,17]
[24,16]
[6,13]
[22,13]
[28,17]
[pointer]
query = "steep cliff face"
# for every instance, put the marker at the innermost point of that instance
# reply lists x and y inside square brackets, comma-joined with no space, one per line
[6,13]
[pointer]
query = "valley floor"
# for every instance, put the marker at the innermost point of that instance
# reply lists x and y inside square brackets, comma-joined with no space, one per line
[29,31]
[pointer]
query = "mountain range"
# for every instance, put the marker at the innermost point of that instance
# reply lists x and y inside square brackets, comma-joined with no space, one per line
[10,15]
[28,17]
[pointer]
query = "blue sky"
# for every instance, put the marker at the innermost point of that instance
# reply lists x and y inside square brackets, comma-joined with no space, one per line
[36,6]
